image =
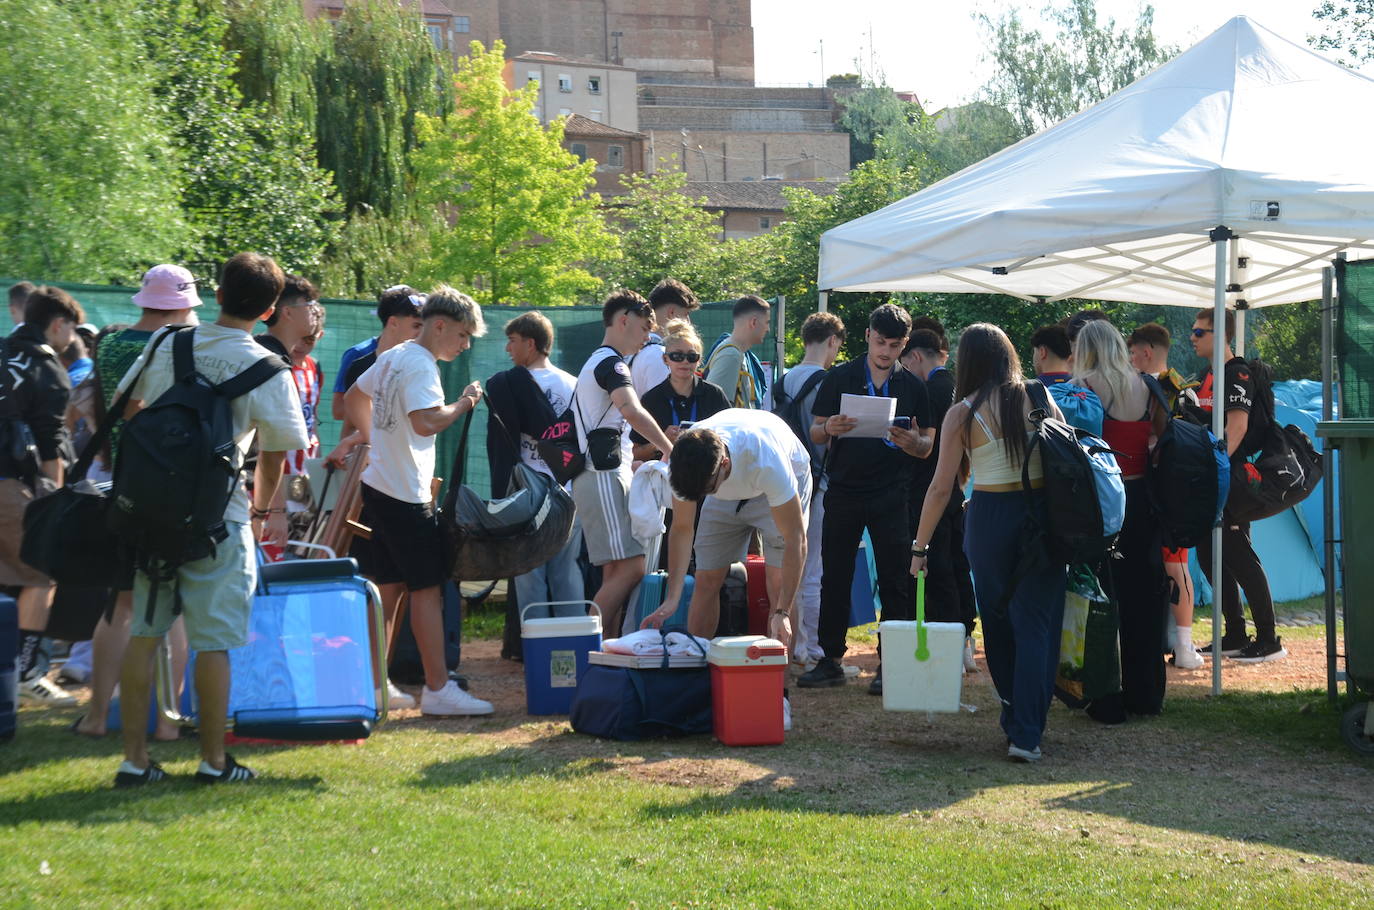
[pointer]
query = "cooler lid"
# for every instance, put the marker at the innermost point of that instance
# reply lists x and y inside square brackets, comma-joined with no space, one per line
[746,651]
[560,627]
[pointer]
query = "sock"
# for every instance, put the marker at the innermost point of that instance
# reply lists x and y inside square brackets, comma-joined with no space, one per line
[1185,640]
[130,768]
[28,651]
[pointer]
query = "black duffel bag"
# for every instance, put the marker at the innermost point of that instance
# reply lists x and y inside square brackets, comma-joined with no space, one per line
[1283,474]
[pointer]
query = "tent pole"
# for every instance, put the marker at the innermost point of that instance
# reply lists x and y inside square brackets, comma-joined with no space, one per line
[1219,237]
[1240,333]
[1328,490]
[823,302]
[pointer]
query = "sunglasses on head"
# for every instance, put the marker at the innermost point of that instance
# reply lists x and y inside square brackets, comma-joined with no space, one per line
[1198,333]
[680,356]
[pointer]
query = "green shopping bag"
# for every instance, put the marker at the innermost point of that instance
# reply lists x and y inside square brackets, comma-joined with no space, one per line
[1089,652]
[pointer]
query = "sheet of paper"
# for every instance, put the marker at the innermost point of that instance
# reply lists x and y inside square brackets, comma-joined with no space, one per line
[874,415]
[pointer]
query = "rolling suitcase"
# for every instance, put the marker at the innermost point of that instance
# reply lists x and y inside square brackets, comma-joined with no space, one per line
[648,594]
[759,604]
[314,668]
[9,666]
[734,602]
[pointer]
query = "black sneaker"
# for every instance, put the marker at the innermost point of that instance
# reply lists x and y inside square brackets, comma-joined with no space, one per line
[1257,652]
[825,674]
[233,772]
[876,687]
[128,776]
[1230,646]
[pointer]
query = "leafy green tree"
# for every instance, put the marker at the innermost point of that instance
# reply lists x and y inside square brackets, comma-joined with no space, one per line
[520,222]
[871,112]
[89,189]
[373,252]
[378,72]
[1042,80]
[1289,338]
[277,50]
[1347,28]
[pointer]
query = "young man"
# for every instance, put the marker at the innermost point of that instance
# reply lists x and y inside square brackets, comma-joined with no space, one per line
[398,307]
[603,402]
[671,299]
[398,407]
[732,365]
[751,473]
[1051,354]
[33,402]
[296,315]
[19,296]
[1245,427]
[309,381]
[217,591]
[949,584]
[529,339]
[1149,347]
[867,476]
[822,335]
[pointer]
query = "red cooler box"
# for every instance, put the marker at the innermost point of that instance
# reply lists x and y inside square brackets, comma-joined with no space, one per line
[746,689]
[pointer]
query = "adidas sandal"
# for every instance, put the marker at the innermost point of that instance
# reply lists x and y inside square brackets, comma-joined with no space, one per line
[129,776]
[233,772]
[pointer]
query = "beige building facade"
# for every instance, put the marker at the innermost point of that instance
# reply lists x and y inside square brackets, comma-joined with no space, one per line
[600,92]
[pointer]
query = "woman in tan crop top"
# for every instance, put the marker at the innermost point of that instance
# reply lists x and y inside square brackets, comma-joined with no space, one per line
[1021,626]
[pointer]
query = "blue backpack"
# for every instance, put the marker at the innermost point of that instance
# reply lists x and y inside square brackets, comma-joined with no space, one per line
[1085,495]
[1081,406]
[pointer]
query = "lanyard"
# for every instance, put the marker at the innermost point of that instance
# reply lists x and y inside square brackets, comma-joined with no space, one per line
[933,372]
[873,393]
[672,403]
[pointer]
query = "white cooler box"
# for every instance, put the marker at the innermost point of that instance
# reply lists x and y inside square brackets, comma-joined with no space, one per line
[934,684]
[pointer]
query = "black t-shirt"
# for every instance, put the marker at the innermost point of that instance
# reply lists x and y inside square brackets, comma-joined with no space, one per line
[940,392]
[870,466]
[668,408]
[357,368]
[1241,394]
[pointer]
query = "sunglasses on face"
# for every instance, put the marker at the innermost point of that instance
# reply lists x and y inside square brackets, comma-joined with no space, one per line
[1198,333]
[680,356]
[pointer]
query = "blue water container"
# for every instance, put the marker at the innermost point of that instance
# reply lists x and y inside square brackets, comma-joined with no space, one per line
[555,652]
[9,667]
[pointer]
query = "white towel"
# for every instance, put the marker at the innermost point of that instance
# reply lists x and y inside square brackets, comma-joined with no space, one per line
[648,642]
[650,494]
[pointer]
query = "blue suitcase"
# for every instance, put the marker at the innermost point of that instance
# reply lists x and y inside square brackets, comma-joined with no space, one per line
[314,668]
[649,597]
[9,667]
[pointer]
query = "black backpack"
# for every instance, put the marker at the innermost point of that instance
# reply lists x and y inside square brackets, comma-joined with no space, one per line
[175,471]
[1084,492]
[1283,473]
[789,409]
[1189,477]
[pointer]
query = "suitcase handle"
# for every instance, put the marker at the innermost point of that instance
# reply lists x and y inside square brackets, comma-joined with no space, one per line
[560,603]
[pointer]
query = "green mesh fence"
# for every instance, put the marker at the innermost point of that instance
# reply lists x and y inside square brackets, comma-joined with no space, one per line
[1355,338]
[577,332]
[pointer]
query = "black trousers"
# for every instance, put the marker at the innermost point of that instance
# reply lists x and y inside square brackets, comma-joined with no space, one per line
[846,517]
[1240,570]
[949,581]
[1141,590]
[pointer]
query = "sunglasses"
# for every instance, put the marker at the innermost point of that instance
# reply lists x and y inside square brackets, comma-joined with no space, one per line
[1198,333]
[187,285]
[680,356]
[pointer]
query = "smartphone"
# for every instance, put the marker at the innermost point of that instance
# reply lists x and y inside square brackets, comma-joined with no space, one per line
[686,425]
[903,422]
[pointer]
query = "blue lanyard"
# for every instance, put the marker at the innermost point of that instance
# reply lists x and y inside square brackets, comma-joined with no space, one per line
[933,372]
[873,393]
[672,403]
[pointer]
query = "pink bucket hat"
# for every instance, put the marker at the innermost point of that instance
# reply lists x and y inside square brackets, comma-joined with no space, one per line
[167,287]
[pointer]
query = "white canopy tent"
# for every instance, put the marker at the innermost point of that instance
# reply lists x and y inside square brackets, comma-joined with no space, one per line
[1232,174]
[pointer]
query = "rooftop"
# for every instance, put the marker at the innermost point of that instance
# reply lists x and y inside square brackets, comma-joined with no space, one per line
[550,57]
[585,127]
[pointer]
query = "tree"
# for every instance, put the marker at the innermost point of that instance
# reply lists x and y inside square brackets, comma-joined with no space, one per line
[520,221]
[89,190]
[277,51]
[1042,81]
[1348,28]
[1289,339]
[871,112]
[378,72]
[373,252]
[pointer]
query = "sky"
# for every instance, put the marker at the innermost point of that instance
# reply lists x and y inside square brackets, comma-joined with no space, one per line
[935,49]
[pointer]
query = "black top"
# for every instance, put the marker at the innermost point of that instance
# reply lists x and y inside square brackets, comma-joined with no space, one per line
[940,391]
[357,368]
[34,390]
[668,408]
[1242,393]
[870,466]
[273,344]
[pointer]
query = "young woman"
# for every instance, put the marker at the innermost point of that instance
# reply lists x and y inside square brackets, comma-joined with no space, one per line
[683,397]
[987,430]
[1137,579]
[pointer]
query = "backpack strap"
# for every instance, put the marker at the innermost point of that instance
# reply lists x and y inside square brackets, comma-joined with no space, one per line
[183,356]
[261,371]
[1157,392]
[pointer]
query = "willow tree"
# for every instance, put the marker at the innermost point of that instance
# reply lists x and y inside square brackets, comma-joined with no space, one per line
[520,221]
[277,49]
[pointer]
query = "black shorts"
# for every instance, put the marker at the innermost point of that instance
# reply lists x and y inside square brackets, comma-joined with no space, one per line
[406,545]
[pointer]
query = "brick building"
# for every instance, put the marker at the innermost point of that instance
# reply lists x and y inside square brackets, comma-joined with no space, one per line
[452,24]
[747,208]
[615,151]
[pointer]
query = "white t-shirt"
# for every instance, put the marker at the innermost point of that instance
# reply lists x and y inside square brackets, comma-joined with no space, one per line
[272,410]
[603,373]
[766,457]
[557,386]
[404,379]
[792,383]
[648,369]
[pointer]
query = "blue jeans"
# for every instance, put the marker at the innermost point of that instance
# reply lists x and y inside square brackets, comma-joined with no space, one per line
[1020,636]
[557,579]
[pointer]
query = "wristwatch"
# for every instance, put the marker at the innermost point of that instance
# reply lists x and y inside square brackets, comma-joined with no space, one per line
[917,550]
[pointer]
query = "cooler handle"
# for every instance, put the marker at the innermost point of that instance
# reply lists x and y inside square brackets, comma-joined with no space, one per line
[754,652]
[922,652]
[560,603]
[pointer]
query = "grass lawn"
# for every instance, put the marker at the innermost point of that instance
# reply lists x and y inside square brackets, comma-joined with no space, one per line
[1251,797]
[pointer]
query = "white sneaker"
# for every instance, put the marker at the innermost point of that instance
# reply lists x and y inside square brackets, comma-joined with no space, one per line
[396,700]
[970,665]
[39,690]
[850,671]
[451,701]
[786,716]
[1188,660]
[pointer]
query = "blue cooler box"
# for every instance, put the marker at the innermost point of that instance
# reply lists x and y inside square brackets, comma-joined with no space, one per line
[555,651]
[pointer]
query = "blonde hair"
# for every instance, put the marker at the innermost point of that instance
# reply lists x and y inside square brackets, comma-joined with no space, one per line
[1101,362]
[455,305]
[682,331]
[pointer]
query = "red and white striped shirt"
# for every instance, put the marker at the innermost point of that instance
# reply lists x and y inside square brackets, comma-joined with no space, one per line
[308,378]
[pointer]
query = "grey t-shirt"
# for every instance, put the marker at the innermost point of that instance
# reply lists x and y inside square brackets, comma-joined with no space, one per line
[792,383]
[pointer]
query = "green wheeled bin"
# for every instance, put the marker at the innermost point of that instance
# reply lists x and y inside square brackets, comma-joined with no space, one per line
[1353,441]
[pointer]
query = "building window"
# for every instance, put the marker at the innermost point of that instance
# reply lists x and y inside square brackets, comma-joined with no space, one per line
[532,76]
[579,149]
[765,223]
[564,82]
[436,34]
[615,156]
[594,85]
[565,112]
[594,114]
[462,24]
